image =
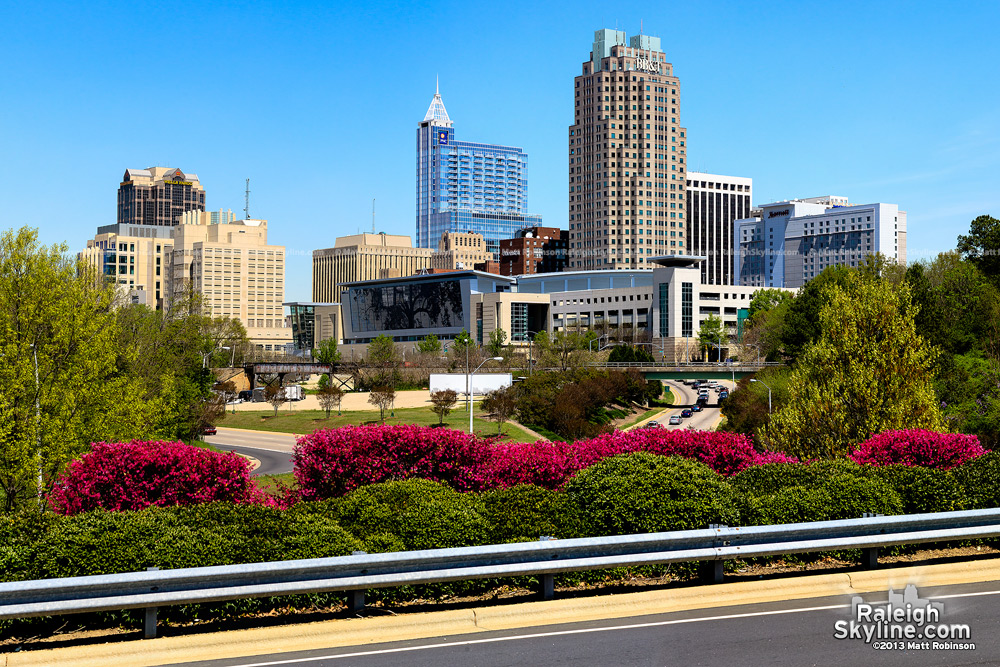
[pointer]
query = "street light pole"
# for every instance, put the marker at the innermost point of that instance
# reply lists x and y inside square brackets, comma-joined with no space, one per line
[768,394]
[469,378]
[38,422]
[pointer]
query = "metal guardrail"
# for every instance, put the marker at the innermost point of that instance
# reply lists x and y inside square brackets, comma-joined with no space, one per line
[711,546]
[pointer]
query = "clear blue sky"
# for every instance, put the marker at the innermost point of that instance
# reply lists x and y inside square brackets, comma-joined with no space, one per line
[317,103]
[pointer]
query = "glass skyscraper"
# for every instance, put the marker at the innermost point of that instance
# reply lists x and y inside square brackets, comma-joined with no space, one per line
[467,187]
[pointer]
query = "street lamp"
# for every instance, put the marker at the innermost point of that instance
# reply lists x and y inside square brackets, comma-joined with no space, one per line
[38,421]
[525,334]
[768,394]
[232,358]
[468,381]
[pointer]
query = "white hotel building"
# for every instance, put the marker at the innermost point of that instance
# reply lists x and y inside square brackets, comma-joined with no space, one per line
[789,242]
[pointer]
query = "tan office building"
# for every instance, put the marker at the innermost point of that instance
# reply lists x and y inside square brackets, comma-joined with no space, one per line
[460,250]
[238,274]
[134,258]
[627,157]
[364,257]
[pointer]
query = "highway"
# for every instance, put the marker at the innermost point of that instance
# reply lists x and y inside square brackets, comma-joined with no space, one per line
[791,633]
[686,396]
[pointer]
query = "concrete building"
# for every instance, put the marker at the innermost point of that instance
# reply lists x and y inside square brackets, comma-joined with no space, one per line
[158,196]
[136,257]
[789,242]
[460,250]
[364,257]
[627,156]
[467,187]
[534,250]
[237,273]
[714,203]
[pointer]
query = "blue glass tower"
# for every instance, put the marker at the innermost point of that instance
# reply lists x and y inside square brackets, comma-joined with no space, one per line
[467,187]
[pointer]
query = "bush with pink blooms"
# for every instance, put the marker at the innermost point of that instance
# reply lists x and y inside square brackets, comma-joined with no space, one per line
[918,447]
[138,474]
[330,463]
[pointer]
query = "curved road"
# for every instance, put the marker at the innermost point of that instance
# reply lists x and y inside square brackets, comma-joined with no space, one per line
[273,450]
[686,396]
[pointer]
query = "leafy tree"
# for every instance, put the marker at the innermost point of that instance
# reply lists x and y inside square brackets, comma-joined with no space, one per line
[443,402]
[799,319]
[629,354]
[275,395]
[65,378]
[500,404]
[564,346]
[869,372]
[384,358]
[330,396]
[764,300]
[712,335]
[327,352]
[324,382]
[746,409]
[981,246]
[429,345]
[497,346]
[382,397]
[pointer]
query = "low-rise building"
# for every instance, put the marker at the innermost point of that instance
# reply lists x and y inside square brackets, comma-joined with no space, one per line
[364,257]
[534,250]
[460,250]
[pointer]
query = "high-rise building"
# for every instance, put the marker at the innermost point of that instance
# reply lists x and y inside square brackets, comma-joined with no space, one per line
[135,257]
[788,243]
[236,272]
[467,187]
[460,250]
[627,156]
[534,250]
[714,202]
[158,196]
[364,257]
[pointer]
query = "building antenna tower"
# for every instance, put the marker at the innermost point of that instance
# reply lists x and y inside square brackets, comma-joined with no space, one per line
[373,215]
[246,201]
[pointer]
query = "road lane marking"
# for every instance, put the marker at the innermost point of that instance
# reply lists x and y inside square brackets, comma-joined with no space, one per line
[540,635]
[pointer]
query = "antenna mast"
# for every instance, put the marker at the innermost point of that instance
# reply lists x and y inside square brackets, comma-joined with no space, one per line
[246,199]
[373,215]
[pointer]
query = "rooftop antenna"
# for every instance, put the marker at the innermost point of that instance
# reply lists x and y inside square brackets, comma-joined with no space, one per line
[246,200]
[373,215]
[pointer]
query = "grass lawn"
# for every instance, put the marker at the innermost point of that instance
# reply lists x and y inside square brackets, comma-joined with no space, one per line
[307,421]
[638,418]
[273,484]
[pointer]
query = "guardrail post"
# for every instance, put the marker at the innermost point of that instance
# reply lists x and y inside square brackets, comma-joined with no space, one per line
[356,599]
[149,627]
[869,555]
[712,571]
[548,580]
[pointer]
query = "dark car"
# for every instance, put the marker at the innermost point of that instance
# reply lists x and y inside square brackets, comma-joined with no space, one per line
[723,394]
[209,430]
[686,412]
[245,395]
[696,408]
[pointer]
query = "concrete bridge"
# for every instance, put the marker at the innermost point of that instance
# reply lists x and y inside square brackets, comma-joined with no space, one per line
[693,371]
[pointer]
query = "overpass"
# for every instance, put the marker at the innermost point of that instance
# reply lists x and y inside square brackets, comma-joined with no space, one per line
[692,371]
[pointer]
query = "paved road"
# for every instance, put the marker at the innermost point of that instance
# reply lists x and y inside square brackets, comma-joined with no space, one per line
[706,420]
[793,633]
[273,450]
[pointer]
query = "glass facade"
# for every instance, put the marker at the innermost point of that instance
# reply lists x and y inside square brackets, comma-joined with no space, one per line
[687,319]
[664,307]
[406,306]
[303,326]
[467,187]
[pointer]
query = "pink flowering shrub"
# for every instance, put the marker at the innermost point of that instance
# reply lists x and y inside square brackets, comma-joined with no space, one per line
[918,447]
[332,462]
[133,475]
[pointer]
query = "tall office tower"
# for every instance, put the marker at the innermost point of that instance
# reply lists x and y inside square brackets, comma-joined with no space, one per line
[467,187]
[713,203]
[158,196]
[627,157]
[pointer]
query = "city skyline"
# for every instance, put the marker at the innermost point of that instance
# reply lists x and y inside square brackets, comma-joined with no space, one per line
[878,104]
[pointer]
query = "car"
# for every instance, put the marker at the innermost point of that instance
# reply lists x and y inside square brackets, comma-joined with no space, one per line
[686,412]
[696,408]
[652,424]
[723,394]
[209,430]
[675,420]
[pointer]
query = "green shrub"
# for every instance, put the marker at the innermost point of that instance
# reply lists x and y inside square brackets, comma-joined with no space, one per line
[770,478]
[922,489]
[644,493]
[523,513]
[980,481]
[421,513]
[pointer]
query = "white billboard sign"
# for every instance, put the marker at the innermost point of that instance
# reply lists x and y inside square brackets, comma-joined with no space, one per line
[482,383]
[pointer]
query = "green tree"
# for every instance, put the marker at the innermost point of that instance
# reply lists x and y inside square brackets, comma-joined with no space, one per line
[497,346]
[500,405]
[65,378]
[443,402]
[797,322]
[869,372]
[764,300]
[330,397]
[429,345]
[382,397]
[712,335]
[384,359]
[981,246]
[326,352]
[275,395]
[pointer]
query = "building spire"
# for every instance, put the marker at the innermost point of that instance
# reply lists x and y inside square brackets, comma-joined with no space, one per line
[436,113]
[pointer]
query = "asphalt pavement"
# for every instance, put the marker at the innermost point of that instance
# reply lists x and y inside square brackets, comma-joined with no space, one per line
[273,450]
[791,633]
